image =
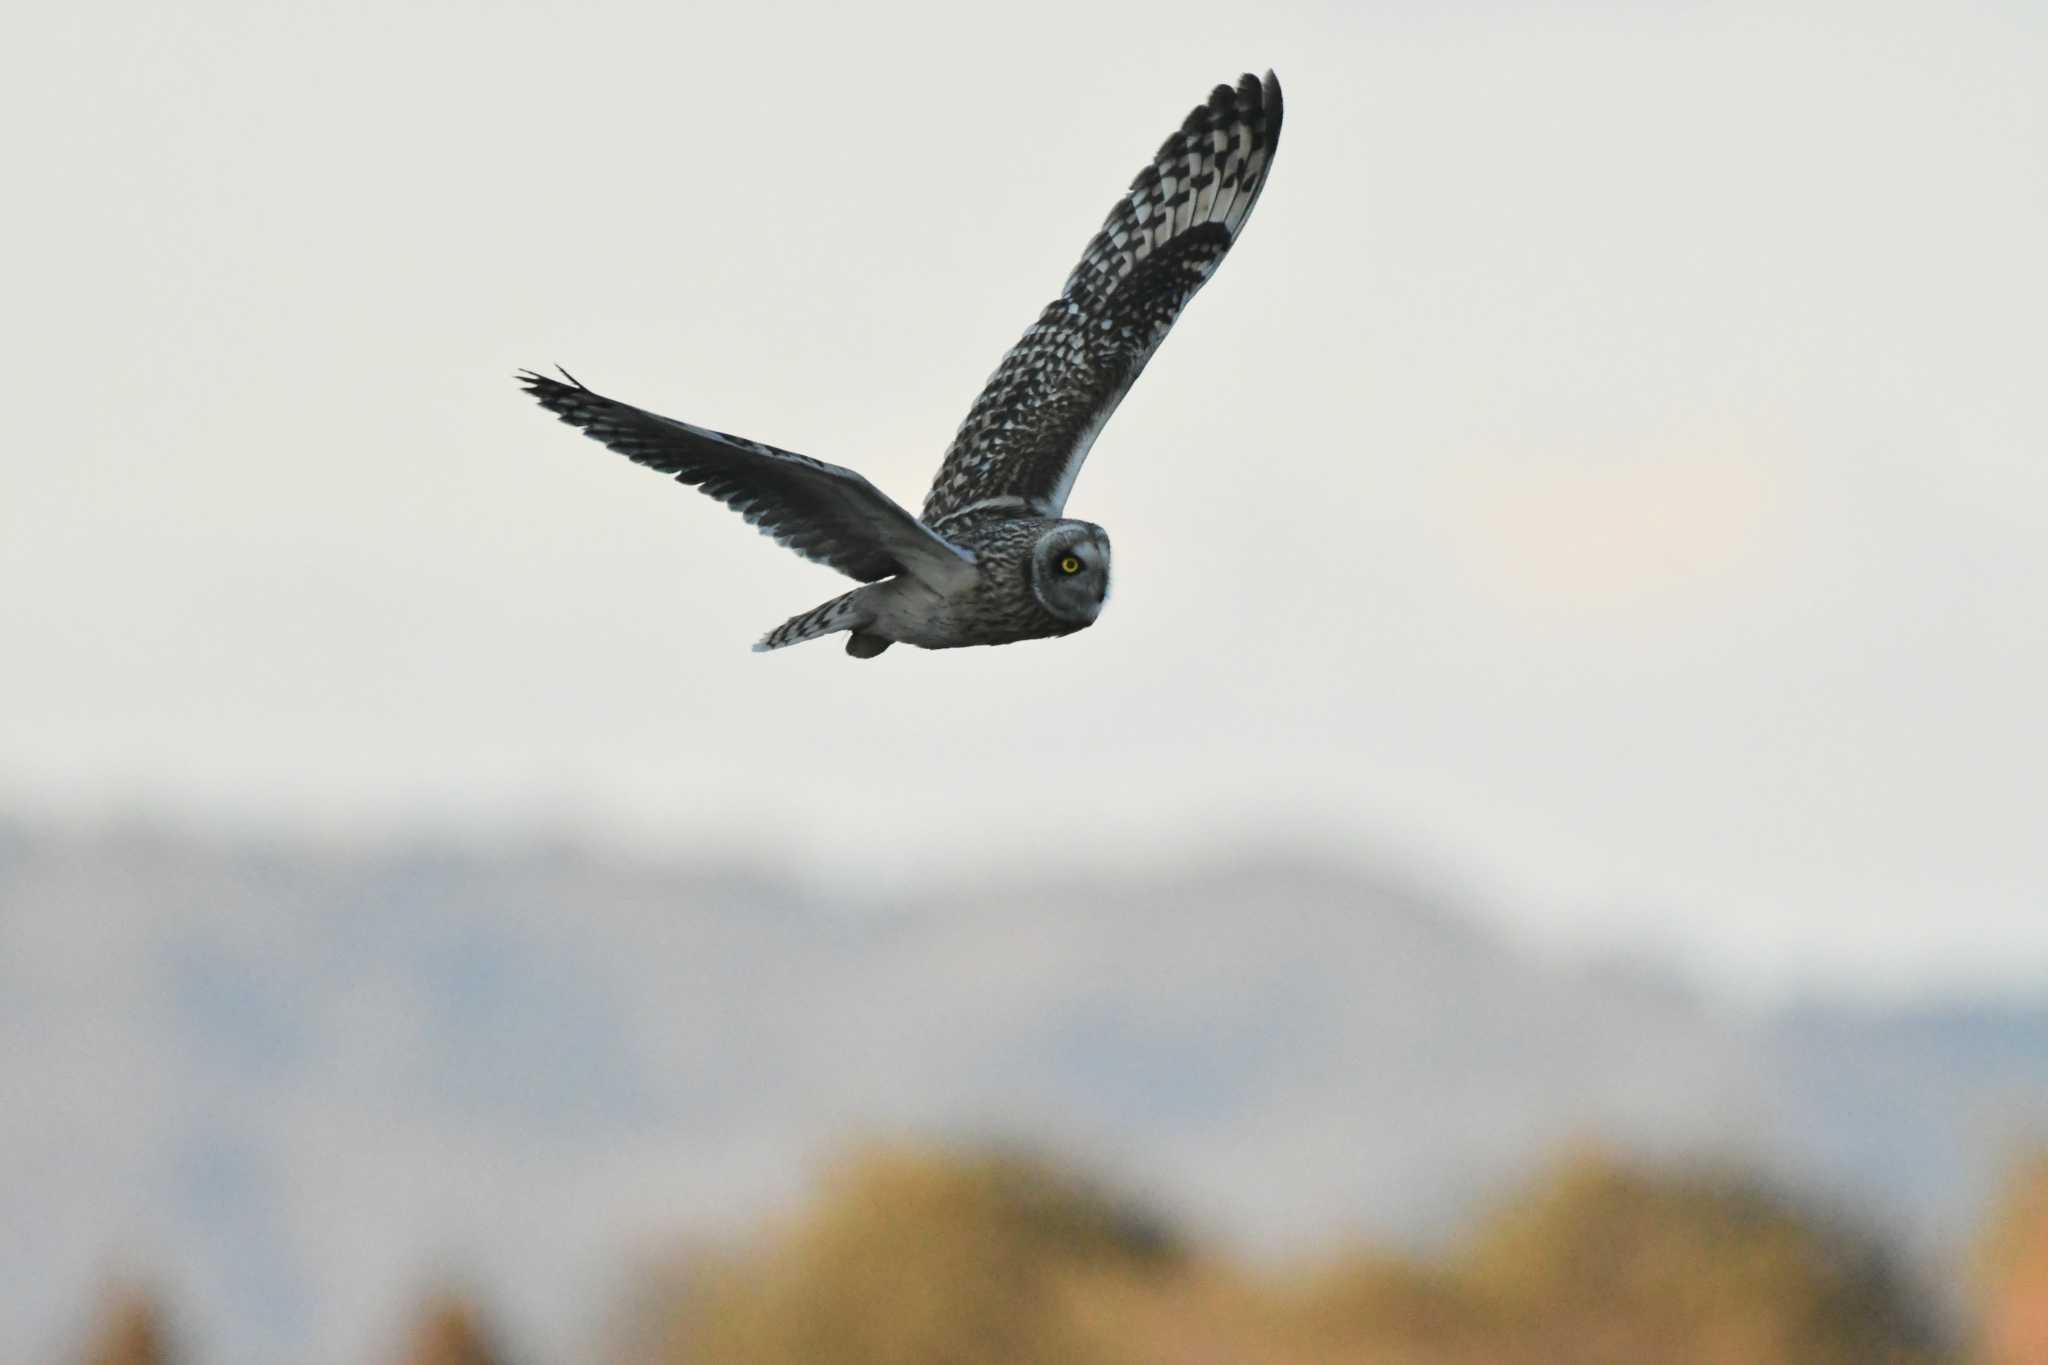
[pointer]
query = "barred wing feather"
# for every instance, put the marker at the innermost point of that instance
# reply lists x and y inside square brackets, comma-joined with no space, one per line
[1021,447]
[824,512]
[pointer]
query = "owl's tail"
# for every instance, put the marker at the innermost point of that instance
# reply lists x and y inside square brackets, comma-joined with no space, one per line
[841,613]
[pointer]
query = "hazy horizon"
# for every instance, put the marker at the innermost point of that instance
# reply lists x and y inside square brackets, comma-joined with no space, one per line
[289,1084]
[1653,940]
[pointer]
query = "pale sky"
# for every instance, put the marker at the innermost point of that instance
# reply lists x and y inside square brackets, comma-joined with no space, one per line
[1610,475]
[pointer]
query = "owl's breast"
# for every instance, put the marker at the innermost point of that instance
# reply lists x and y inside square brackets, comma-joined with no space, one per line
[996,606]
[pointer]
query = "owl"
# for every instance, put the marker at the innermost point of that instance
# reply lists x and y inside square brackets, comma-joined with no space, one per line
[991,558]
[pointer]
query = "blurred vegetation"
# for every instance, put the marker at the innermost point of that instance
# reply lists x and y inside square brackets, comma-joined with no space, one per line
[912,1256]
[1610,1264]
[131,1331]
[2013,1272]
[449,1330]
[924,1258]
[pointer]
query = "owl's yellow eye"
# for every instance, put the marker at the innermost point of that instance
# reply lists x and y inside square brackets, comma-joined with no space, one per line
[1070,565]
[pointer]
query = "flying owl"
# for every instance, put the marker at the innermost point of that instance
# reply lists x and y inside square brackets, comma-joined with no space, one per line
[990,560]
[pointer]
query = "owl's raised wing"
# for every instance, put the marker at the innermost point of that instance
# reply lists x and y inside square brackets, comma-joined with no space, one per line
[1021,446]
[822,511]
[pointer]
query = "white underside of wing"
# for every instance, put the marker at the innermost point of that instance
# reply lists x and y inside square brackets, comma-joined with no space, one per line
[1078,456]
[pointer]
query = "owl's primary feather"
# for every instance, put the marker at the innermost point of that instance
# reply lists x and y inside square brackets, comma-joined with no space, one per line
[992,560]
[1021,447]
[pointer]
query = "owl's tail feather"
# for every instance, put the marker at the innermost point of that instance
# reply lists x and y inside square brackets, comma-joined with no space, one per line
[841,613]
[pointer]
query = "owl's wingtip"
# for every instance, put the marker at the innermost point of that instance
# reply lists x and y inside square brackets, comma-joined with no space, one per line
[535,382]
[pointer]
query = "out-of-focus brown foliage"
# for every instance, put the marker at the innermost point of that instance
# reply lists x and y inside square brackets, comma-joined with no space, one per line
[130,1331]
[1365,1308]
[910,1258]
[449,1330]
[2014,1269]
[1604,1263]
[917,1258]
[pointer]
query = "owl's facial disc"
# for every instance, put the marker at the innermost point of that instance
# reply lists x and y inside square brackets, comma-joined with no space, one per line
[1070,571]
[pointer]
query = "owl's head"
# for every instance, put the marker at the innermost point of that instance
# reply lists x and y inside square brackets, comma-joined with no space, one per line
[1070,571]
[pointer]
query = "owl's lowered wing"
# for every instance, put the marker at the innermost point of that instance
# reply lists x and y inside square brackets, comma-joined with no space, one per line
[821,511]
[1021,446]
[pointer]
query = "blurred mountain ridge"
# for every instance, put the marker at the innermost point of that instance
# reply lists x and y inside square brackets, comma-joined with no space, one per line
[306,1073]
